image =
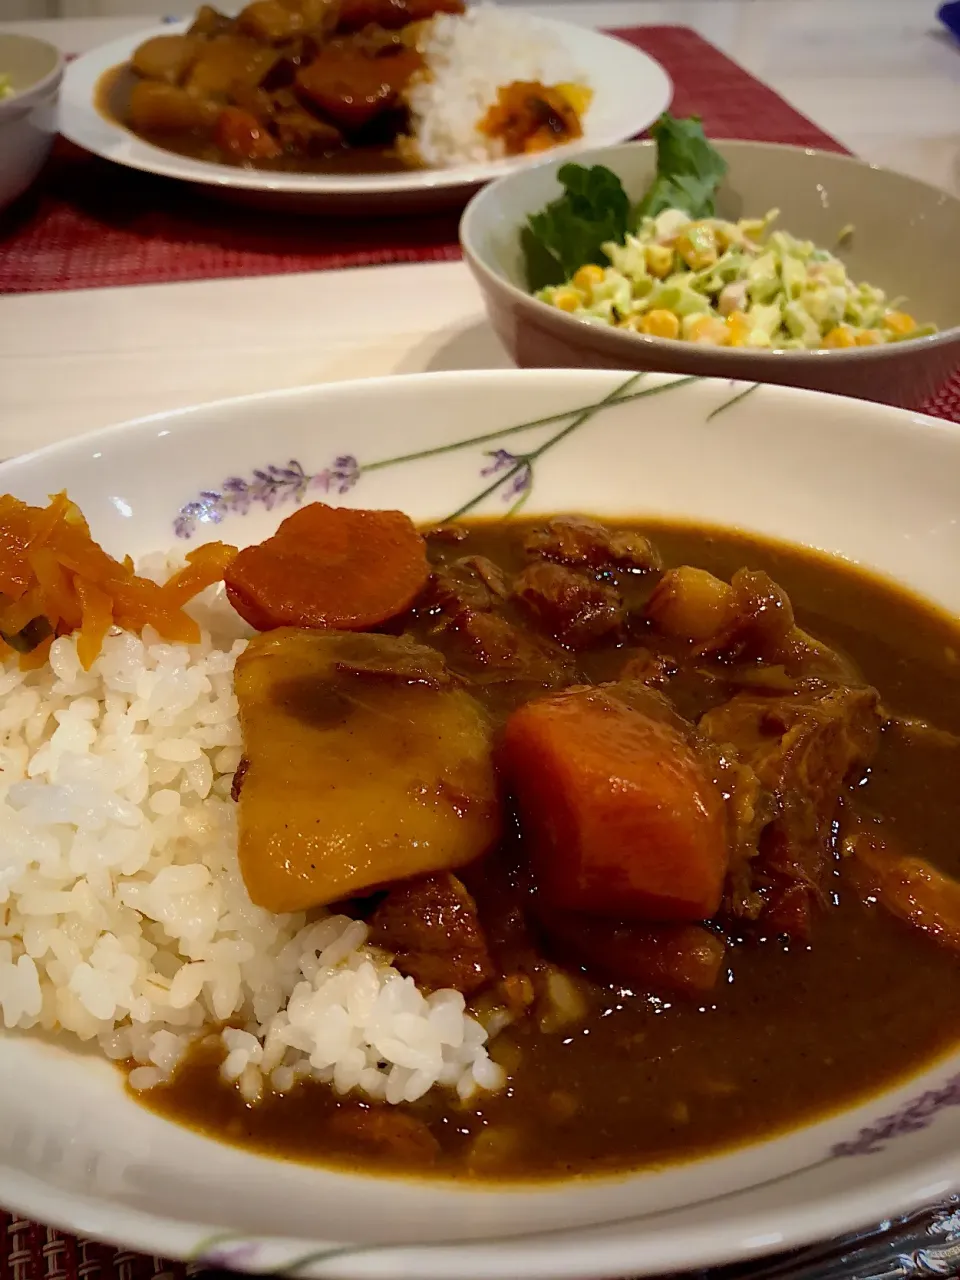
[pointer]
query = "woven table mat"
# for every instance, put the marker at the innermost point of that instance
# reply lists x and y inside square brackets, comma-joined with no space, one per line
[90,223]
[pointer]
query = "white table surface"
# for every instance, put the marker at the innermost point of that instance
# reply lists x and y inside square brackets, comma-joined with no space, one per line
[875,73]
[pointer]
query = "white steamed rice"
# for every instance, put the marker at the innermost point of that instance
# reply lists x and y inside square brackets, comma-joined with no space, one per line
[123,915]
[469,58]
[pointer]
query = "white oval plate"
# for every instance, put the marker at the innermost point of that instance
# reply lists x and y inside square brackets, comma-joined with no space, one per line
[630,91]
[874,484]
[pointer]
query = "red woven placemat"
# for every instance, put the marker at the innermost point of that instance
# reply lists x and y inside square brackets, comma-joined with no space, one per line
[88,223]
[92,223]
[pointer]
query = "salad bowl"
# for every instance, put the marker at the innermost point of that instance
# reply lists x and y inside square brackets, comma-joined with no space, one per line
[898,234]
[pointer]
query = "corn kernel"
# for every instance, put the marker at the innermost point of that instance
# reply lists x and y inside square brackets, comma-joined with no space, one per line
[659,259]
[899,322]
[869,338]
[660,324]
[738,328]
[840,336]
[577,96]
[568,299]
[707,329]
[588,276]
[697,246]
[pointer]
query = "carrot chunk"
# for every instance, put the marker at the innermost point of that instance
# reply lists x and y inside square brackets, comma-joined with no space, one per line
[241,134]
[623,817]
[330,567]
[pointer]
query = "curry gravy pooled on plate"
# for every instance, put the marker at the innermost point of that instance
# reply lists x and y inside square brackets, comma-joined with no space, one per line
[513,849]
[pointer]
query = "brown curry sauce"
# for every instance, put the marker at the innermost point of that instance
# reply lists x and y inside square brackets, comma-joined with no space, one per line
[790,1033]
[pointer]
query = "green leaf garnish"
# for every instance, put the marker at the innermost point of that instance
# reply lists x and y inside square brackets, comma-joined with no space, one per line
[689,170]
[594,209]
[572,229]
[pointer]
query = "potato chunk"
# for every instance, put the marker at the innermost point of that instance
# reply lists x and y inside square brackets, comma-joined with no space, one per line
[274,21]
[155,107]
[365,765]
[166,58]
[228,62]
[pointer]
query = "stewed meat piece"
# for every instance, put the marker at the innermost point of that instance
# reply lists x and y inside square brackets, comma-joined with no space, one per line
[574,608]
[432,927]
[575,540]
[803,750]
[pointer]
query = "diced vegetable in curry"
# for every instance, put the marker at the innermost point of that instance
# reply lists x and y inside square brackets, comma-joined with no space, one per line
[378,765]
[674,809]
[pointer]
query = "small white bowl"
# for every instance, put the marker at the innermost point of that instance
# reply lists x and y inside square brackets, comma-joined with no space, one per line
[28,117]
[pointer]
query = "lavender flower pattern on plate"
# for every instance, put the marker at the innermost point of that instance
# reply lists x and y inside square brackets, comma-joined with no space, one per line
[270,486]
[513,473]
[915,1115]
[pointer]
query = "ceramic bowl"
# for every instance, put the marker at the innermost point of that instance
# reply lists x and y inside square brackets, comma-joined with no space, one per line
[874,484]
[28,117]
[904,240]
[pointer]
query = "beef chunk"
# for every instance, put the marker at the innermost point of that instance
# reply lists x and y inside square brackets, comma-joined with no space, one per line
[432,928]
[665,959]
[473,584]
[576,609]
[299,130]
[655,670]
[802,749]
[489,649]
[573,540]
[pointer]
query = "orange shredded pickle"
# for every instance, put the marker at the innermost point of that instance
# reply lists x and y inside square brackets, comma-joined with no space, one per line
[530,117]
[52,571]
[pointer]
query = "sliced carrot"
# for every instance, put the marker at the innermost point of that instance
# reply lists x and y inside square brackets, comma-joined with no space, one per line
[51,569]
[37,656]
[56,585]
[97,614]
[622,816]
[205,566]
[330,567]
